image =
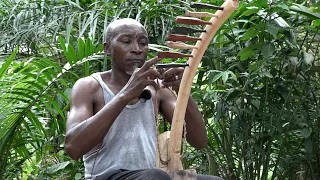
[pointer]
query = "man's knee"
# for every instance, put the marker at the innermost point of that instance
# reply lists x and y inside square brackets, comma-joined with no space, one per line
[155,174]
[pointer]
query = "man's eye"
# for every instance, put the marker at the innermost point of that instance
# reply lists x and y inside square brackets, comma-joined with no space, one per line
[126,41]
[143,43]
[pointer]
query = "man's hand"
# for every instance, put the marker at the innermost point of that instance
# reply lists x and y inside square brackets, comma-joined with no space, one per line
[141,78]
[172,77]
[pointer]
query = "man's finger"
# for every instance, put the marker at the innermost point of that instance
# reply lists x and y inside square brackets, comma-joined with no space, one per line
[154,84]
[151,74]
[170,78]
[172,72]
[149,63]
[172,83]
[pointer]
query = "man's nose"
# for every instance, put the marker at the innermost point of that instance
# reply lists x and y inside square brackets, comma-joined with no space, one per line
[136,48]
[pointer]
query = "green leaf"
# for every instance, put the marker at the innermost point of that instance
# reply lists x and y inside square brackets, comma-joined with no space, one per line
[81,48]
[62,44]
[305,132]
[250,33]
[283,6]
[86,69]
[246,52]
[225,76]
[273,30]
[308,57]
[308,145]
[91,48]
[58,167]
[265,73]
[215,78]
[87,47]
[280,21]
[250,11]
[256,103]
[5,66]
[304,11]
[234,95]
[291,38]
[313,69]
[78,176]
[54,104]
[267,49]
[100,48]
[67,50]
[72,57]
[316,22]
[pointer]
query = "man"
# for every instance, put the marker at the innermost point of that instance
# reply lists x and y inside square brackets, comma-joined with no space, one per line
[109,125]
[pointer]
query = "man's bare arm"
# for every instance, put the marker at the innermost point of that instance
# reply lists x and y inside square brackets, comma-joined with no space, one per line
[85,130]
[196,131]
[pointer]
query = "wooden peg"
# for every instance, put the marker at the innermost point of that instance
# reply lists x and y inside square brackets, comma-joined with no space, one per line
[185,30]
[200,14]
[205,6]
[171,65]
[180,45]
[183,38]
[168,54]
[191,21]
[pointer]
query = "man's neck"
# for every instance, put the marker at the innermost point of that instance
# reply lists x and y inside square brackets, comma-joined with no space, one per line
[118,78]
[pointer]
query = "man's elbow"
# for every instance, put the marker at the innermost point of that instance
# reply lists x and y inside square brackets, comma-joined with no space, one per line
[73,152]
[200,143]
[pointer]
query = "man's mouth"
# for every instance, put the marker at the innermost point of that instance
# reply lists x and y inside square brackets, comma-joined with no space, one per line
[132,64]
[135,62]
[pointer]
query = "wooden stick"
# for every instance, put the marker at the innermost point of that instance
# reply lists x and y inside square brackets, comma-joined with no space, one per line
[185,30]
[183,38]
[171,65]
[200,14]
[180,45]
[184,91]
[168,54]
[205,6]
[191,21]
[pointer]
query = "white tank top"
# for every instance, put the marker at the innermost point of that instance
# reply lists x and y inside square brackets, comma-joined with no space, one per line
[130,142]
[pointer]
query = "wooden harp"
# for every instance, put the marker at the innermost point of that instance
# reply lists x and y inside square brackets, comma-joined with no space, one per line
[170,142]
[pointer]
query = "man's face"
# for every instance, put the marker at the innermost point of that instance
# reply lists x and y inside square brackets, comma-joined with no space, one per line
[128,48]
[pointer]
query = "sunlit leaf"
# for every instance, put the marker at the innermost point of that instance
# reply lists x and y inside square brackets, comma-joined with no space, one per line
[7,63]
[58,167]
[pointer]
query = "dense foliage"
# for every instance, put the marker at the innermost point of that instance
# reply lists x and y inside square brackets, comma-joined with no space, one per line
[257,87]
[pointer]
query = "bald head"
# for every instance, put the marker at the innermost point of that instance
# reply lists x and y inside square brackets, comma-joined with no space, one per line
[114,26]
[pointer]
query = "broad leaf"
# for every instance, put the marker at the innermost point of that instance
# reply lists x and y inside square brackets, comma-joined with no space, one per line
[268,49]
[305,11]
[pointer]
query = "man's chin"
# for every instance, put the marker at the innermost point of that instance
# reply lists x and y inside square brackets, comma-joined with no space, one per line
[129,72]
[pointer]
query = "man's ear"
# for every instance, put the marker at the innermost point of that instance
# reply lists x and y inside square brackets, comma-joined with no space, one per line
[106,48]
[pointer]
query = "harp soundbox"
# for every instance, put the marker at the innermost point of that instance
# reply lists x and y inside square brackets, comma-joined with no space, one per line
[168,156]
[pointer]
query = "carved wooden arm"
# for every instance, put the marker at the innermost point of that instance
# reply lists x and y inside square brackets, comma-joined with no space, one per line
[174,145]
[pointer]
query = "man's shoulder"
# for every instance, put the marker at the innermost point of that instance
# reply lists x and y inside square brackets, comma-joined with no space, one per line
[87,84]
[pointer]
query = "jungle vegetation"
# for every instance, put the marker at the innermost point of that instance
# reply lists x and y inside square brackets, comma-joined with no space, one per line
[258,85]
